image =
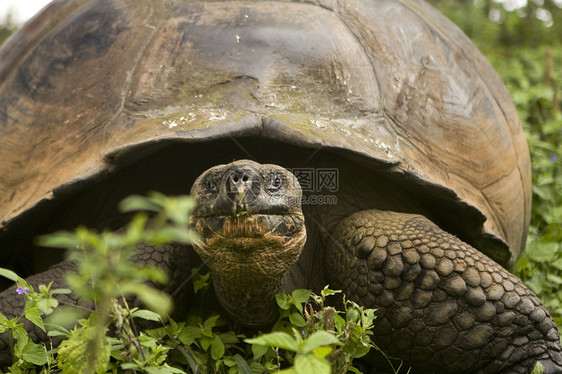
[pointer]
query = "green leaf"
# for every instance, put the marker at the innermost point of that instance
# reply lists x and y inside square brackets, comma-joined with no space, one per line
[205,343]
[328,292]
[170,234]
[61,239]
[211,322]
[177,208]
[146,314]
[66,316]
[354,370]
[6,273]
[317,339]
[362,350]
[188,335]
[259,350]
[151,274]
[34,316]
[200,281]
[322,351]
[288,371]
[229,361]
[154,299]
[310,363]
[129,366]
[339,321]
[258,368]
[283,301]
[166,369]
[229,338]
[47,305]
[56,333]
[14,369]
[300,296]
[19,333]
[3,323]
[276,339]
[535,283]
[138,203]
[35,354]
[352,315]
[217,348]
[557,264]
[242,364]
[554,278]
[297,319]
[541,251]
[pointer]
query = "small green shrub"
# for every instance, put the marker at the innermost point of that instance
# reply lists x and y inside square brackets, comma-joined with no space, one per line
[25,353]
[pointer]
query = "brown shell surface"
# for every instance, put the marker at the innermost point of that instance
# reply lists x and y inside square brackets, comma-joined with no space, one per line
[393,81]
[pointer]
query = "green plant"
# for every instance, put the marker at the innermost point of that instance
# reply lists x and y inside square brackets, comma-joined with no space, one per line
[105,273]
[309,337]
[318,338]
[25,353]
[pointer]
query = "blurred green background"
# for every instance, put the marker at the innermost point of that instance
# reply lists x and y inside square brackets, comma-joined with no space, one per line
[523,41]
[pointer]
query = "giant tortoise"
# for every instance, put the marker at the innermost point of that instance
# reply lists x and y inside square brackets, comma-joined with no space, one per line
[364,144]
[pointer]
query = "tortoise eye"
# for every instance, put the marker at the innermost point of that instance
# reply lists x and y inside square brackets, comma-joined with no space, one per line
[275,182]
[211,185]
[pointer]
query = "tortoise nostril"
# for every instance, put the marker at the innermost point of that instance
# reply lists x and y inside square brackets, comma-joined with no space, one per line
[241,177]
[242,184]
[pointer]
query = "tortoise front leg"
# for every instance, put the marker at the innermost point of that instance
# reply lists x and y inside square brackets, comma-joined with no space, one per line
[442,305]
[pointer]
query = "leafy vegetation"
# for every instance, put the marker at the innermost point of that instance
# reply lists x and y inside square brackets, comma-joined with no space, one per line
[493,24]
[309,336]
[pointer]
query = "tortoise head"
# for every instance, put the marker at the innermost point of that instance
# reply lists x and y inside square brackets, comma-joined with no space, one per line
[249,220]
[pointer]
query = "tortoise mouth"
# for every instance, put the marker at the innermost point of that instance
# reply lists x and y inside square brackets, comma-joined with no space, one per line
[283,226]
[249,248]
[245,199]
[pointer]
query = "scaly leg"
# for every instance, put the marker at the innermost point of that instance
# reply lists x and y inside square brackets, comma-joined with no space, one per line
[443,306]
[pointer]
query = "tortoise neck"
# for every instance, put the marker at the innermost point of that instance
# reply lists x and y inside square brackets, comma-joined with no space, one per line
[253,306]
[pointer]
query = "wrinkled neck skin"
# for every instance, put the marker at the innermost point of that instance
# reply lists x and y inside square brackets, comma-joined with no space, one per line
[253,305]
[249,272]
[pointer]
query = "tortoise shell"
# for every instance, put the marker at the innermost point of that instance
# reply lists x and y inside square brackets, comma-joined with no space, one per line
[88,87]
